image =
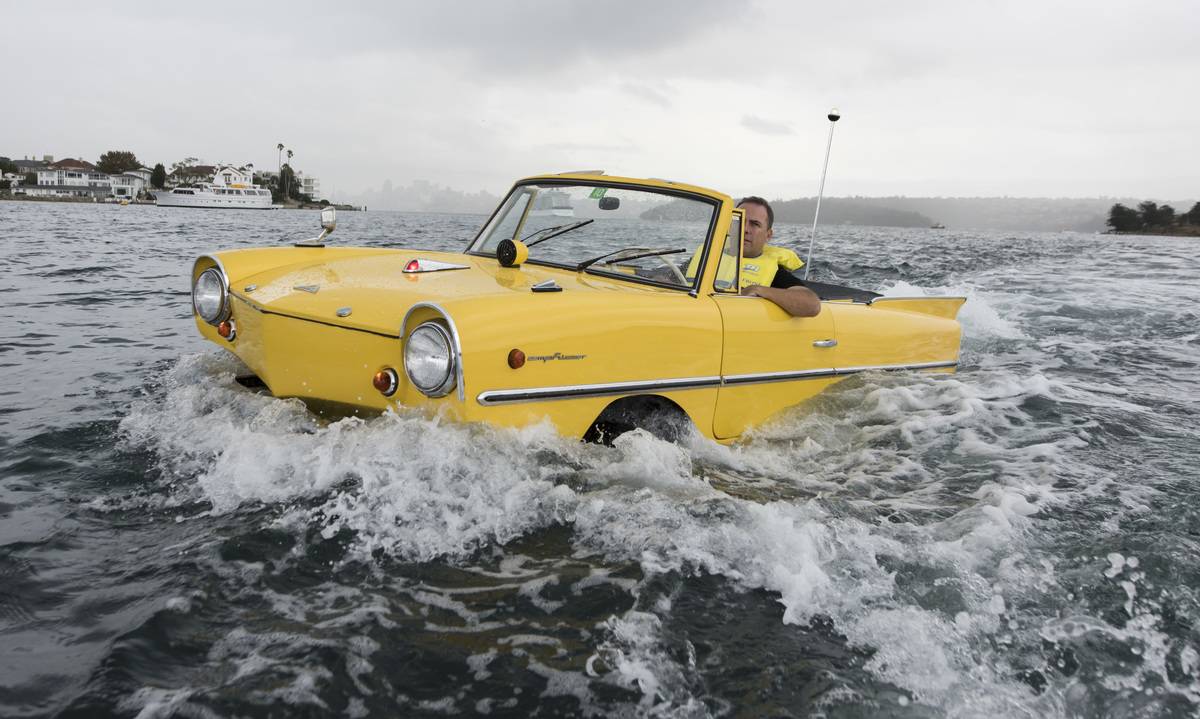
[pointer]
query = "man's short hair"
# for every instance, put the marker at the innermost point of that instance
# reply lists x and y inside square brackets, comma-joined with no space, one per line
[756,200]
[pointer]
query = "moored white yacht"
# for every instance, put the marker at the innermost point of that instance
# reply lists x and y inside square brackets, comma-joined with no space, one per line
[231,188]
[206,195]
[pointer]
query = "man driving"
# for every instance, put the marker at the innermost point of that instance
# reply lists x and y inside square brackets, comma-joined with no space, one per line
[766,270]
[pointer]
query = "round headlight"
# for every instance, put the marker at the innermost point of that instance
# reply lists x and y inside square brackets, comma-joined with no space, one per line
[429,359]
[208,296]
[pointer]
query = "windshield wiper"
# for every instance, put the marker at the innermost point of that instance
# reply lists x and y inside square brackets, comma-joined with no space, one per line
[652,253]
[554,231]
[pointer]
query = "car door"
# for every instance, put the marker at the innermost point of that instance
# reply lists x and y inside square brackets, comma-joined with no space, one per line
[769,360]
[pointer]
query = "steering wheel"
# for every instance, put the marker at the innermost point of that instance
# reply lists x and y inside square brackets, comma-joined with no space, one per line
[674,268]
[664,259]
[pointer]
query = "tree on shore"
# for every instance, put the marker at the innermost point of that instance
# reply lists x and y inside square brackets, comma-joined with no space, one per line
[7,166]
[1151,217]
[287,186]
[1154,216]
[289,182]
[158,177]
[1148,212]
[114,162]
[1192,216]
[182,169]
[1124,219]
[1165,217]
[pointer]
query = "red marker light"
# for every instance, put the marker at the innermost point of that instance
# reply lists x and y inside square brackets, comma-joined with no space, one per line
[386,381]
[516,359]
[412,266]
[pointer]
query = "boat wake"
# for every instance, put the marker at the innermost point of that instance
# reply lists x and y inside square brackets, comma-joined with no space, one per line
[915,517]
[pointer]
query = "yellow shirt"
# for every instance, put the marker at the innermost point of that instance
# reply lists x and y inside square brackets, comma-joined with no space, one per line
[761,270]
[755,270]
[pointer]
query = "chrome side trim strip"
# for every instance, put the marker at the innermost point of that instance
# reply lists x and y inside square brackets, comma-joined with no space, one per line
[765,377]
[508,396]
[896,367]
[918,297]
[458,368]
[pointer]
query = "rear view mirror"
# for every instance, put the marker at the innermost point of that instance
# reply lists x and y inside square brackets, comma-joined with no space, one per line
[328,222]
[610,203]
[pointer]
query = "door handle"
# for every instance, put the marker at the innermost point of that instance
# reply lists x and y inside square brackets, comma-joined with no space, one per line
[825,343]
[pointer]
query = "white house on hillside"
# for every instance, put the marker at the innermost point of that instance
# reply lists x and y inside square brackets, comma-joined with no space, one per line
[127,184]
[70,177]
[310,186]
[230,176]
[145,173]
[79,178]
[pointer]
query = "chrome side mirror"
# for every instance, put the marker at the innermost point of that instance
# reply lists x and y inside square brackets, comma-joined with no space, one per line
[328,223]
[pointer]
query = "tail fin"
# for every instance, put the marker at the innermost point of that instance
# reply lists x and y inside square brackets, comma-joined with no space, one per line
[946,307]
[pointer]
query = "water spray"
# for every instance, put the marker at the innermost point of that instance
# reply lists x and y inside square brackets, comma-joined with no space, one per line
[833,116]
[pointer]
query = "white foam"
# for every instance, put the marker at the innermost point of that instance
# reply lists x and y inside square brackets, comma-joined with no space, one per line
[638,661]
[982,316]
[155,703]
[416,488]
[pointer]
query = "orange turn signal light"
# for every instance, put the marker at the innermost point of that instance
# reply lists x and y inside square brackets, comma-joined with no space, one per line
[516,359]
[386,381]
[227,330]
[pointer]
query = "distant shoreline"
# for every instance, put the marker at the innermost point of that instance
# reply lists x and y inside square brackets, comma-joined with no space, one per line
[90,201]
[73,200]
[1187,231]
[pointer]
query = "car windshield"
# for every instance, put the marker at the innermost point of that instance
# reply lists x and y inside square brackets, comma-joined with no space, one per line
[625,232]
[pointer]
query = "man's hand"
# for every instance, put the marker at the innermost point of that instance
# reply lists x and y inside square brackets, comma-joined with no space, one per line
[796,301]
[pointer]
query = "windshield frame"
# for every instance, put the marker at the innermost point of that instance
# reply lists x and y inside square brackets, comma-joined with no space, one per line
[693,289]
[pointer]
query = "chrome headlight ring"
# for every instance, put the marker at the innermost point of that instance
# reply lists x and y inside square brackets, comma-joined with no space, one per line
[210,296]
[430,359]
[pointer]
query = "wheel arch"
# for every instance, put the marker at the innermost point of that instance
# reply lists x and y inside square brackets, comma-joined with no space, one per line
[658,415]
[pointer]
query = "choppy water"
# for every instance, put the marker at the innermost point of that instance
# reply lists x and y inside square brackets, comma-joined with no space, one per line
[1018,539]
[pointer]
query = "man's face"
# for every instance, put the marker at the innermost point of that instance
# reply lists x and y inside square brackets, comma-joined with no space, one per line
[757,234]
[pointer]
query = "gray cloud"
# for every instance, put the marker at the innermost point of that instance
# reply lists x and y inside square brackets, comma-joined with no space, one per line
[938,96]
[646,93]
[519,37]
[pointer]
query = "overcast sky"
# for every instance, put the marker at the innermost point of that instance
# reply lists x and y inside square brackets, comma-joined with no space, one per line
[950,98]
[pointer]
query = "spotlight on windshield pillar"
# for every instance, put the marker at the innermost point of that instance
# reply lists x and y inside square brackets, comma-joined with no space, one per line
[834,115]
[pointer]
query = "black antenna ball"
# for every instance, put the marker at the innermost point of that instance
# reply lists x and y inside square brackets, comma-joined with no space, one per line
[834,115]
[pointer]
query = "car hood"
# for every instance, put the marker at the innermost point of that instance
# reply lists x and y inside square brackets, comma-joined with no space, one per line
[374,293]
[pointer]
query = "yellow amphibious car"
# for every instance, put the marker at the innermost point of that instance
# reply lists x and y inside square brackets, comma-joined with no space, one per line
[596,302]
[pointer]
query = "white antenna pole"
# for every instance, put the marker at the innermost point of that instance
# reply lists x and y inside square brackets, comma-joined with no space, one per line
[833,116]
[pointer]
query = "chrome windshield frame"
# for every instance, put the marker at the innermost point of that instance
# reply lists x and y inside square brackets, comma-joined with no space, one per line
[706,247]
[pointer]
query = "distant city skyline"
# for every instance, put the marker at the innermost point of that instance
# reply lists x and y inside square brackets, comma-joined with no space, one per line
[1024,99]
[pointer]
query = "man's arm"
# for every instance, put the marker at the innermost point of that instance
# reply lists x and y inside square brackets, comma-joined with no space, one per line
[797,301]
